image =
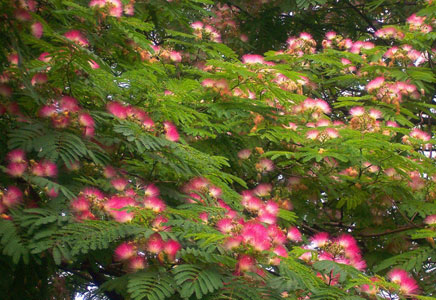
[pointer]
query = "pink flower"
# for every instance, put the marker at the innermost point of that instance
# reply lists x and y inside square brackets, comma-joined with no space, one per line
[267,217]
[151,190]
[271,207]
[225,225]
[119,183]
[44,57]
[16,156]
[430,220]
[251,203]
[197,25]
[253,59]
[246,263]
[12,196]
[22,15]
[419,134]
[171,133]
[69,104]
[357,111]
[346,241]
[39,78]
[332,133]
[232,242]
[305,36]
[214,191]
[52,193]
[155,204]
[407,284]
[392,124]
[208,82]
[16,169]
[323,106]
[281,251]
[38,170]
[291,126]
[93,193]
[50,168]
[117,202]
[60,121]
[47,111]
[265,165]
[136,263]
[244,38]
[158,223]
[114,205]
[312,134]
[86,120]
[171,248]
[276,235]
[330,35]
[148,123]
[122,216]
[124,251]
[175,56]
[375,114]
[115,6]
[13,58]
[204,217]
[155,244]
[375,84]
[109,172]
[294,234]
[77,37]
[94,65]
[263,190]
[415,20]
[322,123]
[320,239]
[244,154]
[80,204]
[37,30]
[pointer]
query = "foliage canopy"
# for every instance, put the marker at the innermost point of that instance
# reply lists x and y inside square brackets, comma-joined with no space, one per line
[195,149]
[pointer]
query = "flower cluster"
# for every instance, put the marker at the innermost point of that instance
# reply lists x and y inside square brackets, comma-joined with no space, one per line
[23,15]
[77,37]
[290,85]
[420,138]
[366,121]
[91,202]
[389,32]
[430,220]
[407,284]
[135,254]
[158,53]
[202,30]
[405,54]
[298,46]
[18,165]
[343,249]
[416,23]
[391,92]
[67,111]
[137,115]
[333,40]
[201,186]
[115,7]
[218,85]
[9,197]
[315,107]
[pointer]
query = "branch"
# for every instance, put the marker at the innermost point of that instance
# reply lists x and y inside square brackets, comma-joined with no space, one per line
[363,16]
[389,231]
